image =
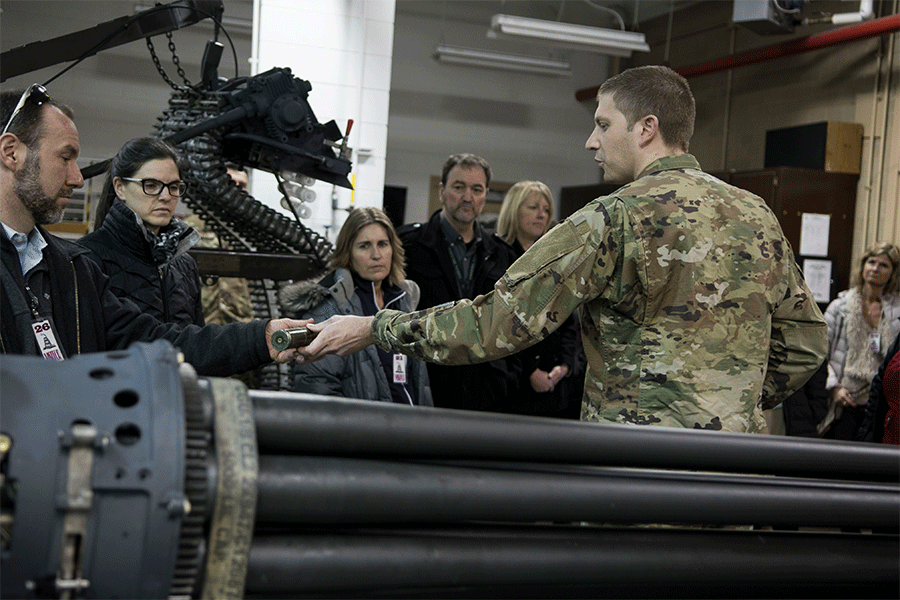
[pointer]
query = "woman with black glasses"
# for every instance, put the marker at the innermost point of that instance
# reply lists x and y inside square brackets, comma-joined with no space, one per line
[137,239]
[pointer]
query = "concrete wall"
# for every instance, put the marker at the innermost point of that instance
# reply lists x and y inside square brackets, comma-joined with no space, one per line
[526,126]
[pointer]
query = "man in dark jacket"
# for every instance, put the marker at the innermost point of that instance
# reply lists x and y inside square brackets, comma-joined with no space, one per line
[452,257]
[55,301]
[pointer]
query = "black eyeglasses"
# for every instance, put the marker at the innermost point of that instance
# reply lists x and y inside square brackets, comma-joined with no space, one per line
[154,187]
[36,93]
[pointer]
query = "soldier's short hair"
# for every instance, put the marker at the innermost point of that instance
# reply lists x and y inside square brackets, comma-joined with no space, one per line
[356,221]
[465,160]
[659,91]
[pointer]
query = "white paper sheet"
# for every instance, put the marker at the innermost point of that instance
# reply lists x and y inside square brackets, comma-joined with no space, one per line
[814,234]
[818,278]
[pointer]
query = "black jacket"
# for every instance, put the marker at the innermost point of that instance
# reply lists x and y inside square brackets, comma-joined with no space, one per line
[169,291]
[90,318]
[485,386]
[872,427]
[562,347]
[806,408]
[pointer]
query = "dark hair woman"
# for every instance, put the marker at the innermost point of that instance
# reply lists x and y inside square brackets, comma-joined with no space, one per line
[139,242]
[368,275]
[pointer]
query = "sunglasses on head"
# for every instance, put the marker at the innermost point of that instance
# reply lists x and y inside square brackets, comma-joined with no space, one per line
[36,94]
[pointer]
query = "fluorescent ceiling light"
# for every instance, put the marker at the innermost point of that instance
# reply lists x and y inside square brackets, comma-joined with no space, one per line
[578,37]
[500,60]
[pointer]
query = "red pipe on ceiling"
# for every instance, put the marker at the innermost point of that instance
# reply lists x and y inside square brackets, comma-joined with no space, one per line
[834,37]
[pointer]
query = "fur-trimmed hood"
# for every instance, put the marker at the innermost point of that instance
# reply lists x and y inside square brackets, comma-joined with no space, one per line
[299,298]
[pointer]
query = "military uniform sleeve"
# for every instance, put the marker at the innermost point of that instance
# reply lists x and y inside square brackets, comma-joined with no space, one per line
[567,267]
[798,342]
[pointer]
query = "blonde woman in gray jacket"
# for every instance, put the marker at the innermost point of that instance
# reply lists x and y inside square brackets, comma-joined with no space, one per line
[368,275]
[862,323]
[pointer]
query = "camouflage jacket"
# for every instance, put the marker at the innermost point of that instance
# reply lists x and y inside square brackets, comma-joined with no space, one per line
[693,310]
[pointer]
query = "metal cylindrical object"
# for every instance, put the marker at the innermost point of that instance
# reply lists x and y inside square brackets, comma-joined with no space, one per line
[571,562]
[292,338]
[327,490]
[306,424]
[371,499]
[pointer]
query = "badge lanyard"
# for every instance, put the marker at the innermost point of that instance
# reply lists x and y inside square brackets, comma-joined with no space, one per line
[399,368]
[44,331]
[458,269]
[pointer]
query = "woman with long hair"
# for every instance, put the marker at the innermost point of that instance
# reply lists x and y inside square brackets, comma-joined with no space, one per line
[862,323]
[552,381]
[137,239]
[367,274]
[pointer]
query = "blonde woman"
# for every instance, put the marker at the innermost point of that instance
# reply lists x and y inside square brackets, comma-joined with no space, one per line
[862,323]
[552,380]
[367,275]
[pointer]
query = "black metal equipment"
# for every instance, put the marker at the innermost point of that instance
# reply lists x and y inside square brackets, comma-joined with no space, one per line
[264,122]
[88,42]
[126,475]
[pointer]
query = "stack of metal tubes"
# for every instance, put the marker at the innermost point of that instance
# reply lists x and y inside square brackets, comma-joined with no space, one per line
[125,475]
[359,498]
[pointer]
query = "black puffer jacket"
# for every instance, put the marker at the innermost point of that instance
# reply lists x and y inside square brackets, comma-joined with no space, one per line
[170,289]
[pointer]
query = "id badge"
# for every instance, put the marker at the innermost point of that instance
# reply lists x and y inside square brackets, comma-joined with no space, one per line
[399,368]
[46,338]
[875,342]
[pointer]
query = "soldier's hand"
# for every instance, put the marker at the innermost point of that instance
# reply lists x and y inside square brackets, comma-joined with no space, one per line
[273,326]
[340,335]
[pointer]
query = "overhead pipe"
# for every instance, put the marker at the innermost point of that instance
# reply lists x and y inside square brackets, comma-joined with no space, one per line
[865,13]
[853,33]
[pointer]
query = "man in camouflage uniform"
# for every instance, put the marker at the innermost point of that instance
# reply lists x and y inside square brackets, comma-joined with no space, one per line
[693,310]
[224,299]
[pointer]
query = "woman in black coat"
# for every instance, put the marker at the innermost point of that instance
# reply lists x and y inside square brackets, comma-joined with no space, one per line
[884,398]
[552,381]
[137,240]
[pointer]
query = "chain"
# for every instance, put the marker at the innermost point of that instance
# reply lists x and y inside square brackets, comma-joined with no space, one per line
[175,60]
